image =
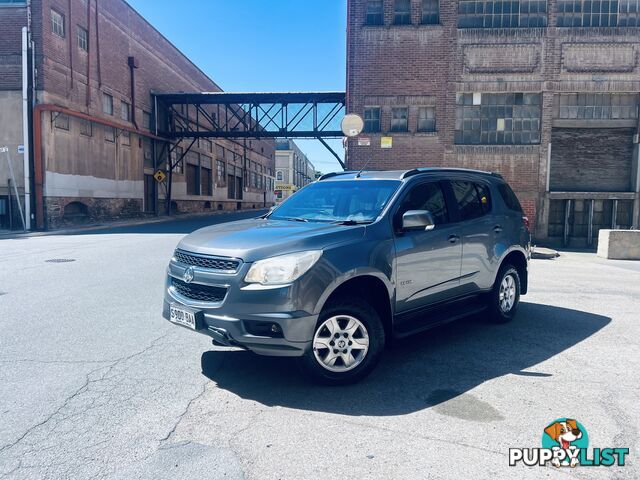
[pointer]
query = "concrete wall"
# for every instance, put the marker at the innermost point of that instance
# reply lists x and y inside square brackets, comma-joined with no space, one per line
[619,244]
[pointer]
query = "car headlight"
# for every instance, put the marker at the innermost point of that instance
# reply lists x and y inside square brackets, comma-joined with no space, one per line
[283,269]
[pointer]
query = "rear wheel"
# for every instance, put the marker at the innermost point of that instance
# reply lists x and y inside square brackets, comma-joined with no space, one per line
[347,343]
[504,299]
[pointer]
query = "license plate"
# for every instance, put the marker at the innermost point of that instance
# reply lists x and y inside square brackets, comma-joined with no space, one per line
[182,316]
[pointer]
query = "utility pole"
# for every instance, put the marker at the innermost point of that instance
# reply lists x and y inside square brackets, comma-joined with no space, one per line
[15,187]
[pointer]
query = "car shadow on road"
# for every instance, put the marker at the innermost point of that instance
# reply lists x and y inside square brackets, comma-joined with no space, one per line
[421,372]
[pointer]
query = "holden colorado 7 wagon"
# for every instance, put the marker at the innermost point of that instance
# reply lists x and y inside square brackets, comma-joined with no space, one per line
[352,261]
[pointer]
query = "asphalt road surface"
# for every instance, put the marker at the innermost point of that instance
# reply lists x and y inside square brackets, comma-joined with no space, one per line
[95,384]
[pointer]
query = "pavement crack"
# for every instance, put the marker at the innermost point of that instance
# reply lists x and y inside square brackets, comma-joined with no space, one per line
[168,436]
[183,414]
[58,362]
[83,388]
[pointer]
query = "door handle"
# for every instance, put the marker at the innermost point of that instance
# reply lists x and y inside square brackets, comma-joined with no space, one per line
[453,238]
[497,229]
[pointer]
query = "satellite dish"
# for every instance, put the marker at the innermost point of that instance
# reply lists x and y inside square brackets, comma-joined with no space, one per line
[352,125]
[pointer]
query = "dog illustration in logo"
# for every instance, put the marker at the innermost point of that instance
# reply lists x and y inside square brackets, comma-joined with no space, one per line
[565,433]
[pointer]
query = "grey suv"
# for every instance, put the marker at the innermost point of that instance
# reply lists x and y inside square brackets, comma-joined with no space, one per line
[351,262]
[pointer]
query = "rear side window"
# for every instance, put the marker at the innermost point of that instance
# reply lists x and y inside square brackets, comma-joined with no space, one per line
[485,197]
[469,203]
[426,196]
[509,198]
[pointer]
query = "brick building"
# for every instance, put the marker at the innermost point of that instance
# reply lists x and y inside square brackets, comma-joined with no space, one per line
[293,169]
[544,92]
[96,64]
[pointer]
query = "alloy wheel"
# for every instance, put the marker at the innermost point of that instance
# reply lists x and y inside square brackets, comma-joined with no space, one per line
[341,343]
[507,294]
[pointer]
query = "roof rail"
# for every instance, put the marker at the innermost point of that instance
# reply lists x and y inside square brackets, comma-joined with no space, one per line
[334,174]
[417,171]
[411,173]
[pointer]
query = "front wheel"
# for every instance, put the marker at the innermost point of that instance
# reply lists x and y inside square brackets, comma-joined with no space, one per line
[347,344]
[503,300]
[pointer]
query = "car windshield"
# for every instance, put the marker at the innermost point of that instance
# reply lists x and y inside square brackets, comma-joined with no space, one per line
[348,201]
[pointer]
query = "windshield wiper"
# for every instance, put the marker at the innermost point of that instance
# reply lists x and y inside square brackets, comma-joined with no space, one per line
[295,219]
[353,222]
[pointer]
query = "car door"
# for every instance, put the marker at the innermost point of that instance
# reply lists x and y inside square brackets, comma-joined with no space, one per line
[480,231]
[427,262]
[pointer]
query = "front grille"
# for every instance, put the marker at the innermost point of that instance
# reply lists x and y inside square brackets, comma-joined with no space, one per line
[212,263]
[200,293]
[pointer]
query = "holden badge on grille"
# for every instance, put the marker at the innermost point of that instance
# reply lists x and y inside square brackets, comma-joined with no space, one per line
[188,275]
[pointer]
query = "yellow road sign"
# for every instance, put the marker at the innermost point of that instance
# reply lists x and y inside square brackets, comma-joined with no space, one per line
[160,176]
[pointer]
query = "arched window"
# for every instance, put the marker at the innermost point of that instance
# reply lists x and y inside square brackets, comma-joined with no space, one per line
[279,176]
[75,210]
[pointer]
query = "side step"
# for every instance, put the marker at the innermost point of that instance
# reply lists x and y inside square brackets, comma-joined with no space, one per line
[420,320]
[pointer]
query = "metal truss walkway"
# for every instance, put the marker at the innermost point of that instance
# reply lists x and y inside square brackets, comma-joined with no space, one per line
[250,115]
[240,116]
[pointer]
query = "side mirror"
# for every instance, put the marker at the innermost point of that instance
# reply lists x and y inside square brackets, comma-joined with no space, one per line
[418,220]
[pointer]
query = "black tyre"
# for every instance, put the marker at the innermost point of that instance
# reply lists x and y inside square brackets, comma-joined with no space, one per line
[504,299]
[347,345]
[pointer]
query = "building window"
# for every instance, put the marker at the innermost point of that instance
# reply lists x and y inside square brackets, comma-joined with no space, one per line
[402,12]
[125,111]
[146,120]
[279,176]
[596,106]
[598,13]
[222,176]
[430,12]
[193,182]
[375,12]
[126,138]
[498,118]
[109,134]
[372,120]
[107,104]
[177,160]
[400,119]
[61,121]
[502,13]
[206,145]
[86,128]
[83,39]
[629,13]
[427,119]
[57,23]
[206,187]
[147,153]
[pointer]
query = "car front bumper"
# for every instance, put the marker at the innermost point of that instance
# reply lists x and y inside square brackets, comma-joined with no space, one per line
[273,321]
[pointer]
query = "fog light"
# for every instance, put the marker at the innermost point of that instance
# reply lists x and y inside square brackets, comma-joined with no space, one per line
[275,328]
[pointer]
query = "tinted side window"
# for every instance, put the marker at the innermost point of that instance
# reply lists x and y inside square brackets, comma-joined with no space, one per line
[426,196]
[468,200]
[509,198]
[485,197]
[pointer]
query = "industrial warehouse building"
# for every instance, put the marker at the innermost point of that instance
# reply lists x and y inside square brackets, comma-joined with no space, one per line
[543,92]
[90,144]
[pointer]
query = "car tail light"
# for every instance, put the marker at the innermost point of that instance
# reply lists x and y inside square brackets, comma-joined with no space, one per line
[525,220]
